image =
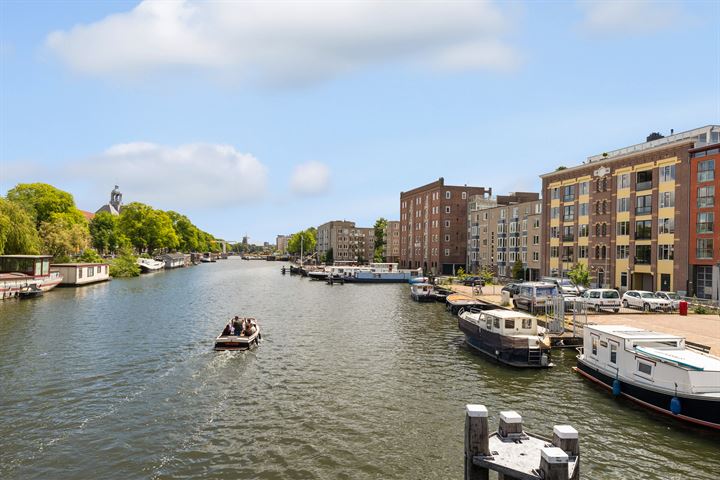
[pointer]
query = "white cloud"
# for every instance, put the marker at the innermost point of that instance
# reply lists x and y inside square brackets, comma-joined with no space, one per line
[194,175]
[632,16]
[286,42]
[312,178]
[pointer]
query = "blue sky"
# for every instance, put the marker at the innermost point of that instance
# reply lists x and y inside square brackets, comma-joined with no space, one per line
[265,118]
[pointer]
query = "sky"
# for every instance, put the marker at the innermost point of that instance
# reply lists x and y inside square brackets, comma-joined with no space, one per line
[265,118]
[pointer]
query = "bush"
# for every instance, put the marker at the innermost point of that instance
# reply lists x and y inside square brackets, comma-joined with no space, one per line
[701,310]
[125,265]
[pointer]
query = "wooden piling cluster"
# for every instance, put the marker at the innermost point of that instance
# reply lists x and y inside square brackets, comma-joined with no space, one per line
[516,454]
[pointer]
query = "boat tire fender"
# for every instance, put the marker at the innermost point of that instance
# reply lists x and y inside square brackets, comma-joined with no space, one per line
[675,406]
[616,387]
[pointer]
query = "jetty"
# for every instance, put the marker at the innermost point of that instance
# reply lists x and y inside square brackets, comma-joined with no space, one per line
[515,454]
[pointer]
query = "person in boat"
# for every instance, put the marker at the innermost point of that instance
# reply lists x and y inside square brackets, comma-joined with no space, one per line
[250,327]
[228,329]
[238,325]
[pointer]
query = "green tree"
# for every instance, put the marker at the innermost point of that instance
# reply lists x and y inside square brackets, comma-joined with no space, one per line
[62,236]
[486,275]
[579,275]
[518,272]
[159,232]
[90,256]
[188,234]
[131,224]
[308,239]
[380,240]
[42,201]
[104,232]
[329,256]
[125,265]
[18,234]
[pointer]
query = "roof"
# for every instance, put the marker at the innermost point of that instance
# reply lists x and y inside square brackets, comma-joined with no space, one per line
[88,215]
[175,256]
[623,331]
[26,256]
[501,313]
[93,264]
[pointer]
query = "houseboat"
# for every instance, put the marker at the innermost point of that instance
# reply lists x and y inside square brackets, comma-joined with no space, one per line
[383,273]
[422,292]
[512,338]
[655,370]
[173,260]
[19,271]
[320,274]
[234,337]
[75,274]
[148,265]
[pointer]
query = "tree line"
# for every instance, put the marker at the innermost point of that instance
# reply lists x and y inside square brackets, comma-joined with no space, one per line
[40,218]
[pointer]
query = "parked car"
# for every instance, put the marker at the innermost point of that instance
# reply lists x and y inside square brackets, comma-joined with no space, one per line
[602,298]
[646,301]
[565,285]
[512,288]
[474,282]
[671,297]
[534,295]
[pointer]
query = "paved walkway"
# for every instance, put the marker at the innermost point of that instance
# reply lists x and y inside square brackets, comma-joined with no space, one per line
[703,329]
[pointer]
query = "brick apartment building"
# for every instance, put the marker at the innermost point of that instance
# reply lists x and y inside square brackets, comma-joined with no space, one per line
[392,241]
[281,243]
[503,231]
[705,220]
[433,226]
[625,214]
[348,242]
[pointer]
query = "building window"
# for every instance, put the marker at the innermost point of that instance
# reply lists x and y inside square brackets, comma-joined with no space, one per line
[447,224]
[643,205]
[583,188]
[597,229]
[555,193]
[568,254]
[704,248]
[706,197]
[554,252]
[623,204]
[623,228]
[569,193]
[447,252]
[706,171]
[582,251]
[665,252]
[464,195]
[643,180]
[447,238]
[667,199]
[643,230]
[705,221]
[536,223]
[642,254]
[623,181]
[597,251]
[623,279]
[667,173]
[605,184]
[536,256]
[568,234]
[569,213]
[583,209]
[536,240]
[666,225]
[447,195]
[604,206]
[597,208]
[604,229]
[583,230]
[554,212]
[447,209]
[623,251]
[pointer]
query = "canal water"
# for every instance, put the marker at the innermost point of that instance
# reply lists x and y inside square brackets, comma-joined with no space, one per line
[119,380]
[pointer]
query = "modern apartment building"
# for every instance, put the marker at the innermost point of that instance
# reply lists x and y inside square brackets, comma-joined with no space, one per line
[281,243]
[705,220]
[348,242]
[392,241]
[624,214]
[503,231]
[433,226]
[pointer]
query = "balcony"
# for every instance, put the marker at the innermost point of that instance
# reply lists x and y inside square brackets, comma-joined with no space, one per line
[568,238]
[643,210]
[647,185]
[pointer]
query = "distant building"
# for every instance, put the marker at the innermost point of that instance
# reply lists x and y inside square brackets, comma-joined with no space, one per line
[627,214]
[348,242]
[173,260]
[82,273]
[504,230]
[281,243]
[433,226]
[392,241]
[115,204]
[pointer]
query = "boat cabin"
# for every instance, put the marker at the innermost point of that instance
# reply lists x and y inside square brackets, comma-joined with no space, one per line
[173,260]
[652,358]
[82,273]
[31,265]
[508,322]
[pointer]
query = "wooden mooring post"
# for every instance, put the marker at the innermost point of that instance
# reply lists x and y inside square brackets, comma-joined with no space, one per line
[515,454]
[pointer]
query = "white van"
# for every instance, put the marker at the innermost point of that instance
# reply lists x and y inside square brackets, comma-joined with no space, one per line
[602,298]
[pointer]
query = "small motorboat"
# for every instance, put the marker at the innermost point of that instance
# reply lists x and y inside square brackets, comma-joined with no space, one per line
[230,339]
[30,291]
[422,292]
[149,265]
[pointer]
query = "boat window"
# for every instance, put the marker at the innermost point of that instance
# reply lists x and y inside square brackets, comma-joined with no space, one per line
[594,344]
[527,323]
[80,272]
[496,323]
[509,323]
[613,352]
[644,368]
